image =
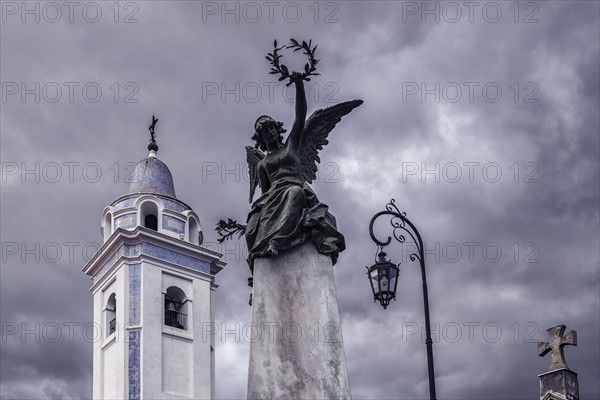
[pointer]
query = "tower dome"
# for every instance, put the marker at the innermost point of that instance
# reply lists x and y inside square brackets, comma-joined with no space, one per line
[152,176]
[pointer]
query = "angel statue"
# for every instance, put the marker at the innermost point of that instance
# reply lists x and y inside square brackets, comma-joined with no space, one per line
[288,212]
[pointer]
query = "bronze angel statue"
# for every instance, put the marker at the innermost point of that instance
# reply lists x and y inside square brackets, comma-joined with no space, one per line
[288,212]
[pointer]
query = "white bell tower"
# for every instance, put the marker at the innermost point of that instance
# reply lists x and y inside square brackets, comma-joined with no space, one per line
[153,288]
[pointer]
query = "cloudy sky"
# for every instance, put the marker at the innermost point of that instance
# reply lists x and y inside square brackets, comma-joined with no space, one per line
[480,119]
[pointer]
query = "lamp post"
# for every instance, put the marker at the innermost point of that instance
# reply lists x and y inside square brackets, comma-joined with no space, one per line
[383,274]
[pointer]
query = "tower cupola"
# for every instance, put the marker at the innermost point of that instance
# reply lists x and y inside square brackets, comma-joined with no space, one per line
[151,202]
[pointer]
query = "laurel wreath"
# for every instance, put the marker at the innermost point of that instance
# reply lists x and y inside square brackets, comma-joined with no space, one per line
[278,68]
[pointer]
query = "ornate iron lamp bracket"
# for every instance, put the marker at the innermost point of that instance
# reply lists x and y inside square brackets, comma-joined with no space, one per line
[401,225]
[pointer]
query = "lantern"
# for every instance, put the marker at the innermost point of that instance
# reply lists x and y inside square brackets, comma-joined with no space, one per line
[383,276]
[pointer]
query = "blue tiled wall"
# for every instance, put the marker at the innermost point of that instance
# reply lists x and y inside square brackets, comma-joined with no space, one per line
[135,280]
[134,364]
[126,221]
[173,224]
[127,203]
[176,258]
[171,205]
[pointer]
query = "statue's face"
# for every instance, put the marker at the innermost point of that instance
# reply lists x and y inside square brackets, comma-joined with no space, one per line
[267,131]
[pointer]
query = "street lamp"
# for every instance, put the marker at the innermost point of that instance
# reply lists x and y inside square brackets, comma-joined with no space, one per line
[383,274]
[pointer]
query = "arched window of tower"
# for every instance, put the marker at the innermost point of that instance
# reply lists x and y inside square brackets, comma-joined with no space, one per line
[193,231]
[110,313]
[176,305]
[149,215]
[107,226]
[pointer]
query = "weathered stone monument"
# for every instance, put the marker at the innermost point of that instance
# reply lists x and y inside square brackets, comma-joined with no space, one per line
[299,353]
[296,349]
[559,383]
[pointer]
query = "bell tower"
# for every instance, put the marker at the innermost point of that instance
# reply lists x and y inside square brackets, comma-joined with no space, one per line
[153,286]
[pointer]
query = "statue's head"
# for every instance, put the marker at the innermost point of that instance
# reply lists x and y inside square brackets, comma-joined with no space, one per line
[267,131]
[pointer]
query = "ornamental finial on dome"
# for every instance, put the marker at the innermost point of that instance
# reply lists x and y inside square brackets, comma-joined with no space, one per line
[152,146]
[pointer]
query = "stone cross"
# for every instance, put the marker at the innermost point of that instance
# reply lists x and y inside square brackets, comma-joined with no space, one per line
[555,345]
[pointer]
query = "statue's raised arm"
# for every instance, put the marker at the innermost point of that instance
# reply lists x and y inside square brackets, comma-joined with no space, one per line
[295,136]
[296,78]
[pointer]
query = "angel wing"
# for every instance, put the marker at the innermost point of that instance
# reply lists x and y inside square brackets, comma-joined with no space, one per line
[315,133]
[253,156]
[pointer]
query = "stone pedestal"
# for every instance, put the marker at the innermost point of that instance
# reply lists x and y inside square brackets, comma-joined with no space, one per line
[296,349]
[559,384]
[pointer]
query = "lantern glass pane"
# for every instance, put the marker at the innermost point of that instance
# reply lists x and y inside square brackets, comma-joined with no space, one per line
[374,281]
[393,278]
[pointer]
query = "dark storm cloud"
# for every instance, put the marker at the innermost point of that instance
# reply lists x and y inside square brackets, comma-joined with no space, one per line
[547,231]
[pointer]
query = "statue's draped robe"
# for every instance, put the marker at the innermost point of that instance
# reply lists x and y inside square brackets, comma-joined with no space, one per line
[289,213]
